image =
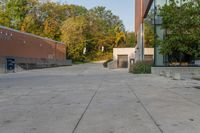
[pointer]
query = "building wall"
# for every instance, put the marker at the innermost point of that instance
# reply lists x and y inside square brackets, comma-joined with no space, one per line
[173,70]
[18,44]
[30,51]
[131,52]
[2,65]
[159,59]
[124,51]
[139,47]
[148,51]
[138,14]
[141,10]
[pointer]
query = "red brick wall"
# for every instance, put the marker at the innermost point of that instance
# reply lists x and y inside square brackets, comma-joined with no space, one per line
[18,44]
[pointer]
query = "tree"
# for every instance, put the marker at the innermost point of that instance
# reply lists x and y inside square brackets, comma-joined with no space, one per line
[120,39]
[15,11]
[33,21]
[45,19]
[182,25]
[109,28]
[74,36]
[32,24]
[78,27]
[148,35]
[5,19]
[107,19]
[130,39]
[52,28]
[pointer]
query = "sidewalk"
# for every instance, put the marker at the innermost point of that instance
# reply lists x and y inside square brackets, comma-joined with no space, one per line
[88,98]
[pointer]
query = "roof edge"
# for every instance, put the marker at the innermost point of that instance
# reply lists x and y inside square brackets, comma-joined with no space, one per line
[148,8]
[30,34]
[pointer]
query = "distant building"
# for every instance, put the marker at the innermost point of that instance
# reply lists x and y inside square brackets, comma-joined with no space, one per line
[19,50]
[122,57]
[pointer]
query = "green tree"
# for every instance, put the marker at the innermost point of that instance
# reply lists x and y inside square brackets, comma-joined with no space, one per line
[74,35]
[109,29]
[148,35]
[120,39]
[78,27]
[45,19]
[130,39]
[15,11]
[52,28]
[107,19]
[31,24]
[182,25]
[5,19]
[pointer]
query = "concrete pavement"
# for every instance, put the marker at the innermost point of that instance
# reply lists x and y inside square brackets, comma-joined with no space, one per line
[90,99]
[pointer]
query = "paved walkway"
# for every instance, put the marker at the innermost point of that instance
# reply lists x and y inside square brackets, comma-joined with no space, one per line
[90,99]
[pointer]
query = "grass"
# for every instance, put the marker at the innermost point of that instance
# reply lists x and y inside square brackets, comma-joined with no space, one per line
[141,68]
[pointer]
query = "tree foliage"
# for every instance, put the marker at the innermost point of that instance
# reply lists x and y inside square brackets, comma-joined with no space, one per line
[120,39]
[130,39]
[148,35]
[14,12]
[98,29]
[182,25]
[74,36]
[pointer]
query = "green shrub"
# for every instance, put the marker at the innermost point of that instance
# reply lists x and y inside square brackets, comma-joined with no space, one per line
[141,67]
[105,64]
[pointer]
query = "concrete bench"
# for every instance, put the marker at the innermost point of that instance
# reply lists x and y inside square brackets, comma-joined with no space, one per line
[196,77]
[168,74]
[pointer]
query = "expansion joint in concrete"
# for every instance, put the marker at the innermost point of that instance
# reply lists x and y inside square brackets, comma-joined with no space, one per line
[145,109]
[185,98]
[84,112]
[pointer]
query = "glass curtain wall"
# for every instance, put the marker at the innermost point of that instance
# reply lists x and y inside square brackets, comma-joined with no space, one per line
[149,30]
[159,60]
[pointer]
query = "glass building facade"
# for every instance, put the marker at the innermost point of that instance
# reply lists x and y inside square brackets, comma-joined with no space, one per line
[159,60]
[150,13]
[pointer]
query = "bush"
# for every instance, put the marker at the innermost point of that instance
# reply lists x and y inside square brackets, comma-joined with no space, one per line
[105,64]
[141,67]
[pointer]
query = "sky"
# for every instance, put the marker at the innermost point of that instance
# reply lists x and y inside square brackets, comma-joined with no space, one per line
[123,8]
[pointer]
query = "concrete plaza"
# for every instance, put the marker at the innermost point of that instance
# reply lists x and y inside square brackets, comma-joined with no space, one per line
[91,99]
